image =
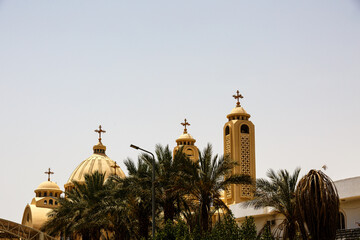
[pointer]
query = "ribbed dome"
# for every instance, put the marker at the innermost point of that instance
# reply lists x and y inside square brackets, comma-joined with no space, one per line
[48,185]
[96,162]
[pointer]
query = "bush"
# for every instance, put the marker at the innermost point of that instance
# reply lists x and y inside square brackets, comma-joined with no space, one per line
[248,229]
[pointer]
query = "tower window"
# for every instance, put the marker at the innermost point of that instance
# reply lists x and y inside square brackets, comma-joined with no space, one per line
[51,194]
[189,153]
[45,194]
[227,130]
[244,128]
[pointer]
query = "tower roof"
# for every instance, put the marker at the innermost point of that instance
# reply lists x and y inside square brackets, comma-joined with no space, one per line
[238,110]
[48,185]
[185,136]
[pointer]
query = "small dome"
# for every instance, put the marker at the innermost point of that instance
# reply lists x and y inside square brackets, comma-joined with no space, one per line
[48,185]
[186,136]
[238,111]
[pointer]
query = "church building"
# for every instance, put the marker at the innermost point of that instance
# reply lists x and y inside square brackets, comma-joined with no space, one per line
[239,144]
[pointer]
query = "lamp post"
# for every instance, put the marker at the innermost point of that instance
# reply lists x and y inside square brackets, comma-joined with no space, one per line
[152,187]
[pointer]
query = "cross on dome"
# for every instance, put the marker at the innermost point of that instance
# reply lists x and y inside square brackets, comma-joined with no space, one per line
[237,97]
[99,132]
[185,123]
[115,166]
[49,173]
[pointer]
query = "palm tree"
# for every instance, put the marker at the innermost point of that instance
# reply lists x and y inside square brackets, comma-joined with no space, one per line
[168,171]
[279,193]
[75,213]
[318,205]
[205,181]
[114,212]
[137,191]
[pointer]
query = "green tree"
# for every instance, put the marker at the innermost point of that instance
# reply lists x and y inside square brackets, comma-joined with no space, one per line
[279,193]
[226,228]
[266,233]
[204,181]
[137,190]
[174,231]
[248,229]
[318,205]
[168,171]
[74,217]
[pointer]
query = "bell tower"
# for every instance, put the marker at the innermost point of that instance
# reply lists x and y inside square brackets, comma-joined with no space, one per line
[187,142]
[239,145]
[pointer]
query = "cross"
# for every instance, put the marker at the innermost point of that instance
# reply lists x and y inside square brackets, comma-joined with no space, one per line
[48,173]
[115,167]
[237,97]
[185,123]
[99,132]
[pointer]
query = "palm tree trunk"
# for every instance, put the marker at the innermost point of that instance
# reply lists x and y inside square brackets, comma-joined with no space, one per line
[204,218]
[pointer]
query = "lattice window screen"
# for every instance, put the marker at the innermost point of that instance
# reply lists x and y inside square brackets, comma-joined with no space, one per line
[228,152]
[245,164]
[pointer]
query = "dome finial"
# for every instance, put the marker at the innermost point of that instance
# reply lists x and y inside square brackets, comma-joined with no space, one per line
[237,97]
[185,123]
[49,173]
[99,132]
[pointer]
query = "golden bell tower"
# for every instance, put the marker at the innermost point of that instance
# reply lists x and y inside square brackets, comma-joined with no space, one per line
[239,144]
[187,142]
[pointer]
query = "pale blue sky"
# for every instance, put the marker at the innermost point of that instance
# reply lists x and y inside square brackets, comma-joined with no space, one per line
[140,67]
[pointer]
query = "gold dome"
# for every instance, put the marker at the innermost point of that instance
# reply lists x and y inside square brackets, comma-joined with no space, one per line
[48,185]
[238,112]
[186,136]
[99,161]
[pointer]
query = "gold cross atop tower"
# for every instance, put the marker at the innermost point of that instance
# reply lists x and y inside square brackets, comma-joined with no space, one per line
[237,97]
[185,123]
[115,166]
[48,173]
[99,132]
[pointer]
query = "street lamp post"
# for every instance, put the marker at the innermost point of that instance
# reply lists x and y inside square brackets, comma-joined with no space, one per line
[152,187]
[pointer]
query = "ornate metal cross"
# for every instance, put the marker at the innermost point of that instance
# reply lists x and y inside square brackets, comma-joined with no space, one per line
[237,97]
[115,166]
[185,123]
[48,173]
[99,132]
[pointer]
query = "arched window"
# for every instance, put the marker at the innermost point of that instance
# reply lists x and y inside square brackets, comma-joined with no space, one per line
[45,202]
[189,153]
[51,194]
[227,130]
[50,202]
[244,128]
[45,194]
[56,203]
[341,221]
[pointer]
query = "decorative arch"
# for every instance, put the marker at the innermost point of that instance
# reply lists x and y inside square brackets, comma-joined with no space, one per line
[244,128]
[21,231]
[227,130]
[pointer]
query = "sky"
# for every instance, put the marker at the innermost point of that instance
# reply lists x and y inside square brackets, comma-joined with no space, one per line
[139,68]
